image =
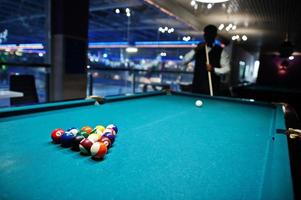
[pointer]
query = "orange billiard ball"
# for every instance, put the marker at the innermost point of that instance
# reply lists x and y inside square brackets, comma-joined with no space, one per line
[87,129]
[98,150]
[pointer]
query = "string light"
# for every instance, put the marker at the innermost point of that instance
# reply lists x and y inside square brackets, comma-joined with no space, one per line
[163,54]
[221,26]
[244,38]
[186,38]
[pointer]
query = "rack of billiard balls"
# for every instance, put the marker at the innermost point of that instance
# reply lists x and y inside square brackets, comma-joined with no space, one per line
[89,141]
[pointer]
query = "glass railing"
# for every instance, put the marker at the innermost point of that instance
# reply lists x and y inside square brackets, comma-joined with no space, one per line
[101,81]
[117,81]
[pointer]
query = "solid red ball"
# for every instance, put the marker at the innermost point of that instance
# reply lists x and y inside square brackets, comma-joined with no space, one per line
[56,135]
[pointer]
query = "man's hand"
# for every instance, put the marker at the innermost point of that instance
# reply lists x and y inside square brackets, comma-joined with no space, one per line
[209,67]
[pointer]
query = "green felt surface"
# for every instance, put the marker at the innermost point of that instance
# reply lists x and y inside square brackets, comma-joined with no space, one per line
[166,148]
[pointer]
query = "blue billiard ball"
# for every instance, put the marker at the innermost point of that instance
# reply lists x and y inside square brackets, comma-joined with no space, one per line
[67,139]
[73,130]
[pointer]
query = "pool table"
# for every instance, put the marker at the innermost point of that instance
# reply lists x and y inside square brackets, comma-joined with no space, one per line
[166,148]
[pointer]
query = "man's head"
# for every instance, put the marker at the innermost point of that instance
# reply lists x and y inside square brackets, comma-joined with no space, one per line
[210,33]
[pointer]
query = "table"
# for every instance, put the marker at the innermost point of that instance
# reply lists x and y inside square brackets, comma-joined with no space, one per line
[166,148]
[9,94]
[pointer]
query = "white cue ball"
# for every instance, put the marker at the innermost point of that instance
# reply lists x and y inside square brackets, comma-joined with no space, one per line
[198,103]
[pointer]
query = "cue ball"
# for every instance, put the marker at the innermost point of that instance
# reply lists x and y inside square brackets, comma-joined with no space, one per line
[198,103]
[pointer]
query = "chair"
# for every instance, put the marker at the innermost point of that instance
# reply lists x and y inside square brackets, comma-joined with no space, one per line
[26,85]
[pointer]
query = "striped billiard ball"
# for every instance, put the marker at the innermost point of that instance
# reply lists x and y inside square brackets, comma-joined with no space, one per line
[110,135]
[98,150]
[109,130]
[73,130]
[85,146]
[100,127]
[114,127]
[106,141]
[94,137]
[56,135]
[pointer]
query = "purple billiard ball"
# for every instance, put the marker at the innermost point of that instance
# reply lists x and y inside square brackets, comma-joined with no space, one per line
[112,126]
[110,135]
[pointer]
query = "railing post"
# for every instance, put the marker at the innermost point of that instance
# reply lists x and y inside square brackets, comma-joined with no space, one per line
[134,81]
[90,79]
[47,84]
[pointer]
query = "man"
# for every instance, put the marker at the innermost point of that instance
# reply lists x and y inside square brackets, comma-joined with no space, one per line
[219,63]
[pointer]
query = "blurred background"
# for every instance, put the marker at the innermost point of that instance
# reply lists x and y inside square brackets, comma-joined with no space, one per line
[138,46]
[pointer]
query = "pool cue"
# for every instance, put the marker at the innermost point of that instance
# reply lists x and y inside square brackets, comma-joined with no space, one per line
[209,72]
[291,132]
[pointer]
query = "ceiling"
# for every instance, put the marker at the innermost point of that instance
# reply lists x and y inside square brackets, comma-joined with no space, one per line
[264,22]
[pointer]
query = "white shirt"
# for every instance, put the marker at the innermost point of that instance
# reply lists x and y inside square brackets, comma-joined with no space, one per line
[224,62]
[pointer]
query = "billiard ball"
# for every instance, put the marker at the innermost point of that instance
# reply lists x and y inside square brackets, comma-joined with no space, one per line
[98,150]
[97,131]
[56,135]
[88,129]
[85,146]
[114,127]
[110,130]
[94,137]
[83,133]
[110,135]
[100,127]
[76,141]
[67,139]
[106,141]
[198,103]
[73,130]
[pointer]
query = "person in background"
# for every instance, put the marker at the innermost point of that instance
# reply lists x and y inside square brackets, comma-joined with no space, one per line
[219,63]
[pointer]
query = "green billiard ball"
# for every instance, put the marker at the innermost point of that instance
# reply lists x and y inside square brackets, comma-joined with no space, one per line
[83,133]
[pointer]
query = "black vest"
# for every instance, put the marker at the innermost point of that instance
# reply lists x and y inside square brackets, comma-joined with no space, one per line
[200,82]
